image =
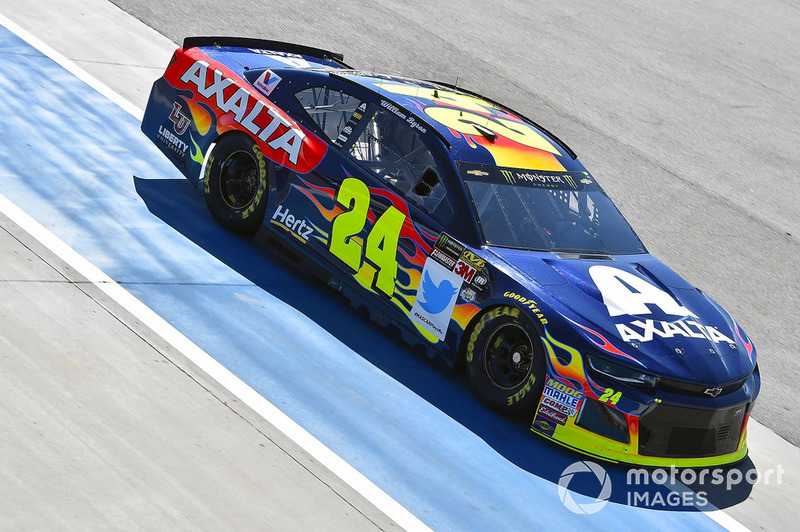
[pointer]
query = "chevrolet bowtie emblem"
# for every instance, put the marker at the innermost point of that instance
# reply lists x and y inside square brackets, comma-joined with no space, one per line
[713,392]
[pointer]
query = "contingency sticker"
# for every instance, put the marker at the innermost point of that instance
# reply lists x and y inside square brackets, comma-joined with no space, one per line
[267,82]
[561,397]
[436,298]
[455,256]
[543,426]
[552,414]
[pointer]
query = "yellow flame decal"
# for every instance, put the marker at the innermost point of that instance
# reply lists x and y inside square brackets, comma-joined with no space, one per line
[574,369]
[201,117]
[196,152]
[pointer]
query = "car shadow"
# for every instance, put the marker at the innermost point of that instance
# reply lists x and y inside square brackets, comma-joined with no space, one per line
[178,204]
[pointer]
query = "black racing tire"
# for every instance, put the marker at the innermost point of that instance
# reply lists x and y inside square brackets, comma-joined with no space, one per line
[506,361]
[236,185]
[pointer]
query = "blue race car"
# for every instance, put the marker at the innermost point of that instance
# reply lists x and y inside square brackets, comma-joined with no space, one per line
[471,229]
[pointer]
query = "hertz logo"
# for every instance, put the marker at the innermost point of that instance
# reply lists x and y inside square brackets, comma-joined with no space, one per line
[509,177]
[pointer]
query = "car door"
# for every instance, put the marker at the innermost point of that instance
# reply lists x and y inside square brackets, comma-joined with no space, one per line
[380,199]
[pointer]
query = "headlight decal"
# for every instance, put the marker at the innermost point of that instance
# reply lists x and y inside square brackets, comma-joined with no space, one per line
[619,372]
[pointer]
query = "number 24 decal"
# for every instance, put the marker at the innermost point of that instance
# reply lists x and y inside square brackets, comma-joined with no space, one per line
[380,246]
[610,397]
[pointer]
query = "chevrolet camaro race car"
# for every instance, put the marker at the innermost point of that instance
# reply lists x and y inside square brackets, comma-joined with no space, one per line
[472,230]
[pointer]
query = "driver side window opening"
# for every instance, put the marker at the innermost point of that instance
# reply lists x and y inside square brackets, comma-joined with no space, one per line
[394,151]
[382,143]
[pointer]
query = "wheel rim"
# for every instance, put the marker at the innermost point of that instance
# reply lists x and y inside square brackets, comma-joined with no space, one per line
[239,180]
[509,356]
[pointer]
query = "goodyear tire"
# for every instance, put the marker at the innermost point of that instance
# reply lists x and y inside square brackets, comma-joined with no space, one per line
[506,361]
[235,183]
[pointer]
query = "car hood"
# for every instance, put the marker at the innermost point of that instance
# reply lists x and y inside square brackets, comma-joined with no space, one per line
[641,307]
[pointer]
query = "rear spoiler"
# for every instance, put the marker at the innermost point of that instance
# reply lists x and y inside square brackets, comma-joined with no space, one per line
[262,44]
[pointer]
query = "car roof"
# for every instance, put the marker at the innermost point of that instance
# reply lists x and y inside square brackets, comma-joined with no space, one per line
[469,121]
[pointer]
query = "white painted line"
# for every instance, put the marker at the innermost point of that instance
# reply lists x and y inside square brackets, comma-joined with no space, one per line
[71,67]
[716,515]
[338,466]
[726,521]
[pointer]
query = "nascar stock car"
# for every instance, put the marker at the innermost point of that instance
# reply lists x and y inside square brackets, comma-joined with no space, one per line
[475,232]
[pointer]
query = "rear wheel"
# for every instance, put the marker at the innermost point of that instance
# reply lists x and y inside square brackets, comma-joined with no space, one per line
[235,183]
[505,361]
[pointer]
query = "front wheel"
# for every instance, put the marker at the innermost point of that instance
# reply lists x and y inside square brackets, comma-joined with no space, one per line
[235,183]
[505,361]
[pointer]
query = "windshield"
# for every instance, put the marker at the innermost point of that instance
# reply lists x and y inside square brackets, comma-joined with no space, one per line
[547,211]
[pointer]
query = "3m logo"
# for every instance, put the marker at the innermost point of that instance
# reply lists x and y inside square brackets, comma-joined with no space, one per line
[179,120]
[570,181]
[509,176]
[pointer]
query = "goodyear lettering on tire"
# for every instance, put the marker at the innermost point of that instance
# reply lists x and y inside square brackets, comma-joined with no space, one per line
[523,392]
[489,316]
[262,172]
[207,174]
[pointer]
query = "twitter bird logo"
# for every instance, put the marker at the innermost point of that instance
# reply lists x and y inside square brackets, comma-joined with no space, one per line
[436,298]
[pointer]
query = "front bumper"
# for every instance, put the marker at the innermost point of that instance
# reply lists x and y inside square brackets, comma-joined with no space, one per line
[656,427]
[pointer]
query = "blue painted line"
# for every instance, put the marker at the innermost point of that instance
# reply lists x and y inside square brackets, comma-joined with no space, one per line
[80,166]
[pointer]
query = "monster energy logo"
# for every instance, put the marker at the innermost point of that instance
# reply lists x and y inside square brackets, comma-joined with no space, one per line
[509,176]
[451,247]
[571,181]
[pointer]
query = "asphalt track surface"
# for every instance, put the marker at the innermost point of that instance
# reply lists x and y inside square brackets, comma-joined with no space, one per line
[492,82]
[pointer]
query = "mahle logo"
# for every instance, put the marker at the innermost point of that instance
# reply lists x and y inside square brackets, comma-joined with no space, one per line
[587,507]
